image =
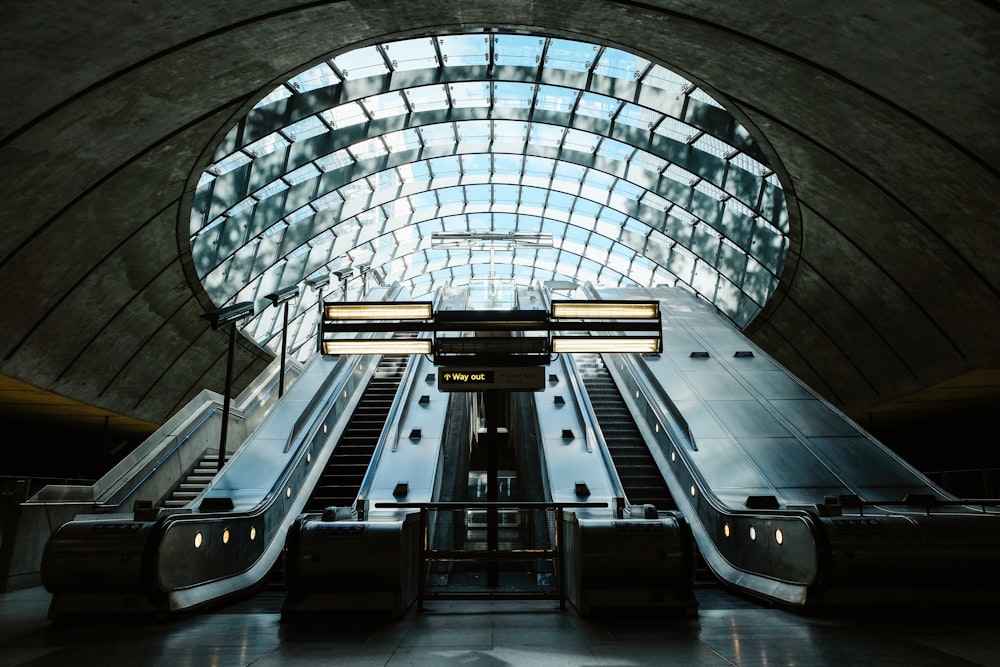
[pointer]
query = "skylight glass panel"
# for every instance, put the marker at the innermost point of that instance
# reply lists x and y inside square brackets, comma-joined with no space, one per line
[344,115]
[710,190]
[615,150]
[361,63]
[442,134]
[581,141]
[597,106]
[302,174]
[637,116]
[267,145]
[546,135]
[385,105]
[747,163]
[702,96]
[573,56]
[299,214]
[228,163]
[675,129]
[270,190]
[448,166]
[661,77]
[370,148]
[280,93]
[512,95]
[320,76]
[555,98]
[427,98]
[713,145]
[518,50]
[620,65]
[508,132]
[306,129]
[334,160]
[402,140]
[476,131]
[464,50]
[410,54]
[327,201]
[470,94]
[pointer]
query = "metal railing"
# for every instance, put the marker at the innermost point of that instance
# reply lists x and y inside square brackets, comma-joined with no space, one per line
[547,562]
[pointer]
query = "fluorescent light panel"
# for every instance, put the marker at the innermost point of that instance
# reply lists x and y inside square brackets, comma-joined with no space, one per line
[630,344]
[377,346]
[377,311]
[633,310]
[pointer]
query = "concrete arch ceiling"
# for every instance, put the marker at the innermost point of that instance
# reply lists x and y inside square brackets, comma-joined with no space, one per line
[880,125]
[357,158]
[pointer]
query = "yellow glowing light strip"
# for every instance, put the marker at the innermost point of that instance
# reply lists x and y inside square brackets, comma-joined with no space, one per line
[631,344]
[640,310]
[377,311]
[377,346]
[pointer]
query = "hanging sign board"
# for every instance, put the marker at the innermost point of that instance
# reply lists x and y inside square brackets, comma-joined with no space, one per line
[470,378]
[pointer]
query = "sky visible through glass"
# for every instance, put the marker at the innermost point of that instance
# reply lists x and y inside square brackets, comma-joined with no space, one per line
[639,176]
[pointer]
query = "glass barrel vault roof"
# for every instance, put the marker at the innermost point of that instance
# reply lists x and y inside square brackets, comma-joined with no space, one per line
[639,176]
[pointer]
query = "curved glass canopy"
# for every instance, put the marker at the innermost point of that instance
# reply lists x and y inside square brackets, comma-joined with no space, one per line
[369,163]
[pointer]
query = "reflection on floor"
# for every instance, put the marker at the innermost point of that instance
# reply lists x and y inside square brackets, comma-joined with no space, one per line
[727,630]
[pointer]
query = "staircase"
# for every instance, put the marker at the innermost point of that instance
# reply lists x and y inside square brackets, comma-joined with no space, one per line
[344,472]
[195,481]
[636,468]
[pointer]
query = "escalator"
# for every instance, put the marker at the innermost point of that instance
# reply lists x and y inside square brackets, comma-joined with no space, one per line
[637,470]
[341,479]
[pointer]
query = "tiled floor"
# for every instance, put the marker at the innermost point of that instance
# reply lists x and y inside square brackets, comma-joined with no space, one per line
[726,631]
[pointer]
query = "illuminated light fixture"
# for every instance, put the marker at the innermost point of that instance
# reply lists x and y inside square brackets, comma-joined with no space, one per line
[197,540]
[673,456]
[225,536]
[606,310]
[693,491]
[753,533]
[309,455]
[377,311]
[625,344]
[253,533]
[725,530]
[377,346]
[779,537]
[488,240]
[288,492]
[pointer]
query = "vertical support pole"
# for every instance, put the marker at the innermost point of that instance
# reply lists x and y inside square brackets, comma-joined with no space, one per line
[284,347]
[224,432]
[561,558]
[319,325]
[422,570]
[492,480]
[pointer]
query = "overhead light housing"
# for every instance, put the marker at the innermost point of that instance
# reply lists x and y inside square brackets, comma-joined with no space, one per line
[606,310]
[377,346]
[229,314]
[283,295]
[420,310]
[318,281]
[624,344]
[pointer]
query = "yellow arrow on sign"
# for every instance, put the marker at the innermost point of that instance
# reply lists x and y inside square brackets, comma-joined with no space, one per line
[447,376]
